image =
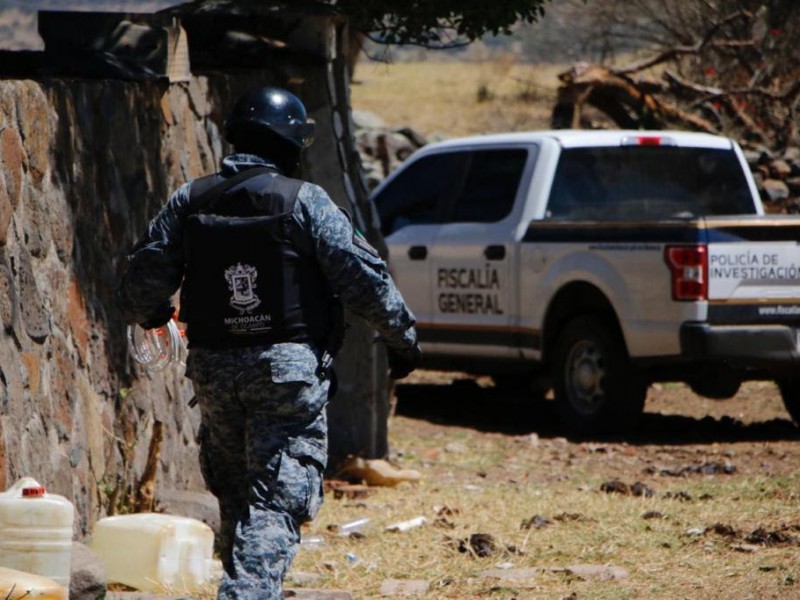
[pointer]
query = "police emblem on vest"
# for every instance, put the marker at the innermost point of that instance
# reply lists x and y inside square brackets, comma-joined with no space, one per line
[249,280]
[242,283]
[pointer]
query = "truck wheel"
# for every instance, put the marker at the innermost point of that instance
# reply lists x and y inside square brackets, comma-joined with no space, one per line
[596,388]
[790,392]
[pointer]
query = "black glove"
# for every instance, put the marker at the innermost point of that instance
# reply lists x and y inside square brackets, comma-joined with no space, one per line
[160,317]
[402,362]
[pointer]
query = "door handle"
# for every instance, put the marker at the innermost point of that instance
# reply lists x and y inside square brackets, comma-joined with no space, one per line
[495,252]
[418,252]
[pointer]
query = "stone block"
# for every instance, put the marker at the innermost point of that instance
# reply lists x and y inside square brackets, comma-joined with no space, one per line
[780,169]
[8,298]
[776,190]
[512,575]
[35,317]
[590,572]
[404,587]
[3,459]
[6,212]
[32,364]
[87,579]
[14,162]
[79,324]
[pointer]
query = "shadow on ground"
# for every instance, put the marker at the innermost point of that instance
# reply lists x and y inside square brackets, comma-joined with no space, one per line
[464,403]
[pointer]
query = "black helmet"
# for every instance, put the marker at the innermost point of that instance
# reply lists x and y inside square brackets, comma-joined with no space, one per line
[273,110]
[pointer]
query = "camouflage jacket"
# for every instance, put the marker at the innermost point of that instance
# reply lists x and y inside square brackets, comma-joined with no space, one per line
[353,269]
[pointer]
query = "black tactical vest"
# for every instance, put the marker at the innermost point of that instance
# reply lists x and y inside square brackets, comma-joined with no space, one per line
[250,278]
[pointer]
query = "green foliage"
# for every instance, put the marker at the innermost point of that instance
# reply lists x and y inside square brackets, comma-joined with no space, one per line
[438,23]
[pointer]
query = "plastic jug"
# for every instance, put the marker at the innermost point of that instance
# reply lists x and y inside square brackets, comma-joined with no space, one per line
[152,552]
[16,585]
[36,531]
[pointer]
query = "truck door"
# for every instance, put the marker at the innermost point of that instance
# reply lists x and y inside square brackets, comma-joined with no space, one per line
[474,295]
[411,208]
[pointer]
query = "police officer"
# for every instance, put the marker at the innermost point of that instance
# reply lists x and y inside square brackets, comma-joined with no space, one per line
[261,260]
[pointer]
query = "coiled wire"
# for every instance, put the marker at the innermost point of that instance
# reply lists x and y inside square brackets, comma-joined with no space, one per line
[156,348]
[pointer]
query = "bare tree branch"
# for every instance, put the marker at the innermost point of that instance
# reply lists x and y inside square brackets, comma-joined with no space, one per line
[730,67]
[696,48]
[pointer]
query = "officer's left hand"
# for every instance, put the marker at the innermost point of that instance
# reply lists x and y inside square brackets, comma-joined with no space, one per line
[402,362]
[160,317]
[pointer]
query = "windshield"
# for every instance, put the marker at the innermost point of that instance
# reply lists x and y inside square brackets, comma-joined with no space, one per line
[647,182]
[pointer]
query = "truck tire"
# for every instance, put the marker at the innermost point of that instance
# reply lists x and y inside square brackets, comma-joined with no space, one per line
[790,393]
[596,388]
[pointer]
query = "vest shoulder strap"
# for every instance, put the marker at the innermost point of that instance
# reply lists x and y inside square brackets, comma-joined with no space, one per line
[204,191]
[287,189]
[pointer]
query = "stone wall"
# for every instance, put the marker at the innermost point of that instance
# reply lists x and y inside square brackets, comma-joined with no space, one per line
[84,164]
[777,176]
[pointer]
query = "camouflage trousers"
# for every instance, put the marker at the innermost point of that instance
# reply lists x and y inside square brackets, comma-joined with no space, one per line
[263,448]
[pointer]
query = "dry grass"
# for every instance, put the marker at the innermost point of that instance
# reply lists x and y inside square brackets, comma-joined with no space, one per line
[456,98]
[491,483]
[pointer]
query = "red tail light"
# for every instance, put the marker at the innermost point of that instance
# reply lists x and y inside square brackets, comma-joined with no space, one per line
[648,140]
[688,267]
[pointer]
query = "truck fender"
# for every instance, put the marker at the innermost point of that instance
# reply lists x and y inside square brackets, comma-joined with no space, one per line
[587,283]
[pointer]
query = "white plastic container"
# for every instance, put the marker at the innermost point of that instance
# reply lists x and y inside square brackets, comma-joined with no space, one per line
[36,531]
[17,585]
[153,552]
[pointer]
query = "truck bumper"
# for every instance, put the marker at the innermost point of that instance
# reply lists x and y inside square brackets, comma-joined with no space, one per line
[768,347]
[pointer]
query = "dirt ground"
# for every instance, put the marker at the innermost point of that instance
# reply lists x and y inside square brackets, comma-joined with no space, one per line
[752,429]
[699,502]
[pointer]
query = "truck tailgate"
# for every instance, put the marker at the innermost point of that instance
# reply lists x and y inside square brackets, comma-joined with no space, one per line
[754,268]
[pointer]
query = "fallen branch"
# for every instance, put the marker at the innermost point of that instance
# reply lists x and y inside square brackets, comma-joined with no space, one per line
[629,103]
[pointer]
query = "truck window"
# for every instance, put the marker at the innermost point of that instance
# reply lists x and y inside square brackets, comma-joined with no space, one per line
[646,182]
[417,194]
[490,186]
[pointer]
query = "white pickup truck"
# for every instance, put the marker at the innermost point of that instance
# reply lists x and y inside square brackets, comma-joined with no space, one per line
[596,262]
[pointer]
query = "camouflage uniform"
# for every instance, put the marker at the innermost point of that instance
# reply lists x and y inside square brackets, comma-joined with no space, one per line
[263,430]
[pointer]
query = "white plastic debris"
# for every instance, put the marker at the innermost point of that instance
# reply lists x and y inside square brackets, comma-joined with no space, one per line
[406,525]
[356,526]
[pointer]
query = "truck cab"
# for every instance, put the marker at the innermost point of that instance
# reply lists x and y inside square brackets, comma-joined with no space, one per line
[521,254]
